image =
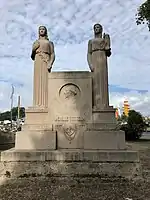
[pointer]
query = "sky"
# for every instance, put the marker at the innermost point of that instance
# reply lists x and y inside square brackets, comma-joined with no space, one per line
[70,26]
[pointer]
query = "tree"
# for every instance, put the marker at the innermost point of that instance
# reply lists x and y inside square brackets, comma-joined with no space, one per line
[143,14]
[134,127]
[6,115]
[15,112]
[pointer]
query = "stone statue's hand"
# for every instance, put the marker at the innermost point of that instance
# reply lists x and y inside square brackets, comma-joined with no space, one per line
[104,35]
[36,45]
[49,67]
[108,52]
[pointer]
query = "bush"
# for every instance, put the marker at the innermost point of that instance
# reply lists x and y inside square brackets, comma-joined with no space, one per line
[134,127]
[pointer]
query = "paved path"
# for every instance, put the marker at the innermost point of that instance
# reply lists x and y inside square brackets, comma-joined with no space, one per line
[146,135]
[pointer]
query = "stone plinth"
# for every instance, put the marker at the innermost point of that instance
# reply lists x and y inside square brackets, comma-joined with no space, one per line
[106,115]
[89,136]
[70,163]
[35,115]
[69,137]
[41,139]
[71,116]
[104,139]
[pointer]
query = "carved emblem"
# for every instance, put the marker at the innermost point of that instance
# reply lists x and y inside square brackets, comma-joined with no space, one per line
[70,92]
[70,133]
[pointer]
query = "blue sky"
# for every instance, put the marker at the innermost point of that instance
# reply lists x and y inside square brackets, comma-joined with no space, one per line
[69,23]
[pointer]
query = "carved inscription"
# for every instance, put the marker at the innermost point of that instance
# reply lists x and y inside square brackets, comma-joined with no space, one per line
[69,119]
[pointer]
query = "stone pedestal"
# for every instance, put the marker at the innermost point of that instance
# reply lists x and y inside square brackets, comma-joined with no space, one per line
[70,130]
[70,121]
[106,115]
[41,139]
[104,139]
[70,163]
[36,116]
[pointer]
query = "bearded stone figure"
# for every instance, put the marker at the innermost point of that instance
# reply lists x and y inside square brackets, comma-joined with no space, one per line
[43,56]
[98,51]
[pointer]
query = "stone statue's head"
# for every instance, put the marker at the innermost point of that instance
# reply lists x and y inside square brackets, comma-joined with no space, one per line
[98,28]
[43,32]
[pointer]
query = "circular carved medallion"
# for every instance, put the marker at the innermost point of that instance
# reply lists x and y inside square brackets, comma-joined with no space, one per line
[69,92]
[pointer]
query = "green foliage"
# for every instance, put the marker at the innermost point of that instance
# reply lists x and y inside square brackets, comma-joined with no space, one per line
[143,14]
[124,118]
[135,126]
[7,115]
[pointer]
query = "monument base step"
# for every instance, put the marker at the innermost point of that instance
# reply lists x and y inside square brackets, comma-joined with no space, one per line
[19,163]
[41,139]
[78,139]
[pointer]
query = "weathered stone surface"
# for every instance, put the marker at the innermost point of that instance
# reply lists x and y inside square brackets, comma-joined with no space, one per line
[104,139]
[70,155]
[70,98]
[41,139]
[60,168]
[36,116]
[13,156]
[104,116]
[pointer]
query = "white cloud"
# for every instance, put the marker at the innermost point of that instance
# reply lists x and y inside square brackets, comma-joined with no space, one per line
[70,26]
[137,101]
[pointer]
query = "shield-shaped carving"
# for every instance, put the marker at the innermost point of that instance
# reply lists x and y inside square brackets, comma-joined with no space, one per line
[70,133]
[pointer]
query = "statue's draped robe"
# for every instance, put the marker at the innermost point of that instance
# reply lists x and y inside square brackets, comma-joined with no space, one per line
[100,74]
[42,57]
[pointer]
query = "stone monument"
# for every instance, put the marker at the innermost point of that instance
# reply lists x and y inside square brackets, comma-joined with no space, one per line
[43,55]
[71,120]
[98,51]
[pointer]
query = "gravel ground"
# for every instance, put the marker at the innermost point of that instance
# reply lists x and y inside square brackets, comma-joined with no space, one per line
[74,189]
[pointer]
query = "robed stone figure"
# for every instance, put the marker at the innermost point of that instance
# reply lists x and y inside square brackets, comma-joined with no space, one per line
[98,51]
[43,56]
